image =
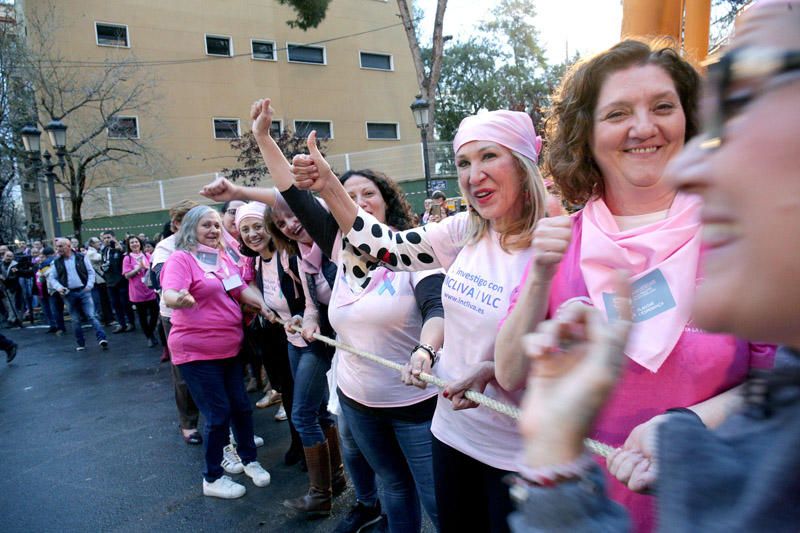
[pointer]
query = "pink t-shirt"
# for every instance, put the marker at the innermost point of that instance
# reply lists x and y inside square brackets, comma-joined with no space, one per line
[212,329]
[475,296]
[383,319]
[137,290]
[701,366]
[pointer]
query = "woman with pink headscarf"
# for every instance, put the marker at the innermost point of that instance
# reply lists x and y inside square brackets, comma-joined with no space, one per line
[482,252]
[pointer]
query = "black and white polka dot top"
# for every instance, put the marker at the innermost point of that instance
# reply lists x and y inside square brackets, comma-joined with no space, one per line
[371,244]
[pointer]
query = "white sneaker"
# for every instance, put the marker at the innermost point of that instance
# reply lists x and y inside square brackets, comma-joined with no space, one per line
[257,473]
[231,461]
[257,441]
[280,415]
[224,487]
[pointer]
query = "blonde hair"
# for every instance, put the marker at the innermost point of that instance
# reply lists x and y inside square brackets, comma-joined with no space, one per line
[519,234]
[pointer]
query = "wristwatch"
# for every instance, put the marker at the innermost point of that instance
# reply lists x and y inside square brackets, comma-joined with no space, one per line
[429,349]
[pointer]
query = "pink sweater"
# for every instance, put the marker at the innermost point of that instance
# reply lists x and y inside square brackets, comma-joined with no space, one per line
[137,290]
[212,329]
[701,365]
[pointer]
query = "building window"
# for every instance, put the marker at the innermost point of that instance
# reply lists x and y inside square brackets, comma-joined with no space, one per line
[123,128]
[306,53]
[226,128]
[111,34]
[324,128]
[276,129]
[263,50]
[219,45]
[383,131]
[375,61]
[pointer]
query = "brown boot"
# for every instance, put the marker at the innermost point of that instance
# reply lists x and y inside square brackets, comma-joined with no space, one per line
[318,499]
[338,479]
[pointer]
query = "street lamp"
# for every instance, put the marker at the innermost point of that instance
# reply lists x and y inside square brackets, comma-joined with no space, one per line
[57,132]
[31,139]
[420,108]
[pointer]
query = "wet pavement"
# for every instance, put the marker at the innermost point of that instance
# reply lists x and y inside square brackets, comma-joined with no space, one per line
[90,442]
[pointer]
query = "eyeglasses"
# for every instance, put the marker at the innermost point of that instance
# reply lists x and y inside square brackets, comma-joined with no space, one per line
[739,77]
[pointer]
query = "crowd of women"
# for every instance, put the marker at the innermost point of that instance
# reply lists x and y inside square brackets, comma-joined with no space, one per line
[633,321]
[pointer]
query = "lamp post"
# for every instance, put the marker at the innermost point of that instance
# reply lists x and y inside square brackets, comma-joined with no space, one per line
[31,138]
[420,108]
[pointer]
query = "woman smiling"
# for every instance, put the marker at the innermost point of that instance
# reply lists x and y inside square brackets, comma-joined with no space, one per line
[204,287]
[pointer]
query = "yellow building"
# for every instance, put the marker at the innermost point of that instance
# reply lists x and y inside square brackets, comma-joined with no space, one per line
[351,78]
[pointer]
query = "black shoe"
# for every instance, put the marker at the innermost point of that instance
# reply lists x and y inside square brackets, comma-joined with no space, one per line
[51,329]
[130,327]
[11,353]
[359,517]
[151,342]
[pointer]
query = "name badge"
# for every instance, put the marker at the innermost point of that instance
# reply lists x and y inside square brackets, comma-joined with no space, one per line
[650,296]
[208,258]
[232,282]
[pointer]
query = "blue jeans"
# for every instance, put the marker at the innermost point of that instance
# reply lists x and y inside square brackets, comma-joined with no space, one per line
[400,452]
[310,403]
[47,310]
[57,308]
[218,390]
[361,474]
[27,294]
[81,300]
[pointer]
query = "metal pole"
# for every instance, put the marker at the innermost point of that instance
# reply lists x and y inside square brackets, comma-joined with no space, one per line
[425,163]
[51,188]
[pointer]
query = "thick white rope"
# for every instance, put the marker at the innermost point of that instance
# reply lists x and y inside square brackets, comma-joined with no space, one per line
[598,448]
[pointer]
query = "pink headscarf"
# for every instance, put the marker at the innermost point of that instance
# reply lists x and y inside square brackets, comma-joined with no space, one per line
[512,129]
[250,209]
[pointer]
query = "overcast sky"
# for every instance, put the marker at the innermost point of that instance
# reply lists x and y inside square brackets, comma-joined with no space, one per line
[587,26]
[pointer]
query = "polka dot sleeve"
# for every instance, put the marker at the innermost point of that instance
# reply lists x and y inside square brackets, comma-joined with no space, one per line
[374,244]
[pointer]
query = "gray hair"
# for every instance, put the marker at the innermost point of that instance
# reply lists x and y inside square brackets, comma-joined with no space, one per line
[186,238]
[91,241]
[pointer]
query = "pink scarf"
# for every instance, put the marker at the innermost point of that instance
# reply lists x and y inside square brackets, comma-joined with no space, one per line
[311,255]
[662,258]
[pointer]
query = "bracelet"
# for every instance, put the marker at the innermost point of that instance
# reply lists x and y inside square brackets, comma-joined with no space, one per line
[430,351]
[550,476]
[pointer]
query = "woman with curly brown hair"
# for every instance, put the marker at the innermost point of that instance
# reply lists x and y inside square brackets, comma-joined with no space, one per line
[616,121]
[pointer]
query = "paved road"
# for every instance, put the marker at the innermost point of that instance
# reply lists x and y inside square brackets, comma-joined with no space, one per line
[90,443]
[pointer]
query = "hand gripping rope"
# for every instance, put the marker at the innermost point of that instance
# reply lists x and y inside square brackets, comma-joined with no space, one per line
[598,448]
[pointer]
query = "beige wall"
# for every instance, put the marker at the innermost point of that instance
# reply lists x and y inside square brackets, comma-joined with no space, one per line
[190,94]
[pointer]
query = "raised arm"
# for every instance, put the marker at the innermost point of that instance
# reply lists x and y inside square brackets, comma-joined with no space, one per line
[314,173]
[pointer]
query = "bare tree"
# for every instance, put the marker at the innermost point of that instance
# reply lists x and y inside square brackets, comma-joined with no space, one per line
[15,103]
[103,149]
[427,79]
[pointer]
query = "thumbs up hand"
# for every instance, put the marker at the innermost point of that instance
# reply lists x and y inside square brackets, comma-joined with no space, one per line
[312,171]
